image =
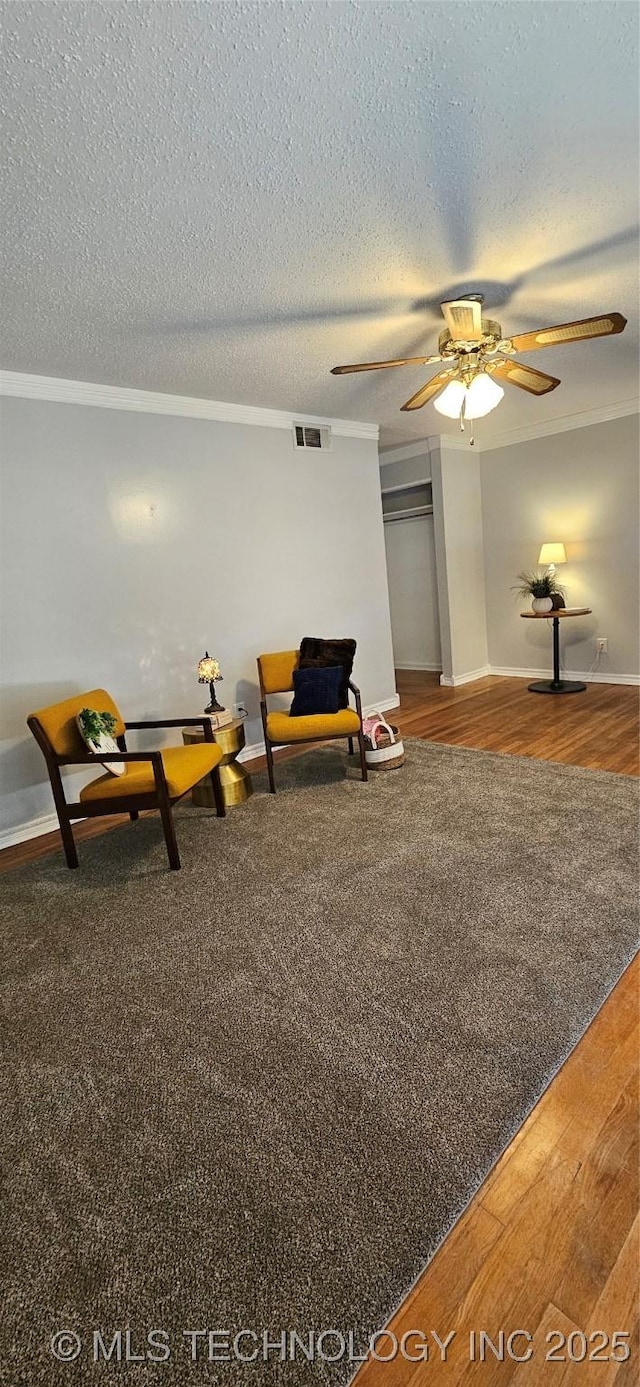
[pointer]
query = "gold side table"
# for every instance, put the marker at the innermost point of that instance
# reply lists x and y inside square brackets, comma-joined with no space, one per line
[235,780]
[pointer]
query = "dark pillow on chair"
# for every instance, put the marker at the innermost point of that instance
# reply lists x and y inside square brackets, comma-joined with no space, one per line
[316,653]
[315,691]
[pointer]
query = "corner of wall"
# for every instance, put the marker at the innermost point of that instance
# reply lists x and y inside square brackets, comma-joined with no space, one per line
[460,545]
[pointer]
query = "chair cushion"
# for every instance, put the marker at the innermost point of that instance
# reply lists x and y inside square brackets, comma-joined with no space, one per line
[282,728]
[184,766]
[316,691]
[317,653]
[58,721]
[276,671]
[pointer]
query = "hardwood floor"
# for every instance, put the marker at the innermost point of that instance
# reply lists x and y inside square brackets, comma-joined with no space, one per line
[549,1244]
[598,728]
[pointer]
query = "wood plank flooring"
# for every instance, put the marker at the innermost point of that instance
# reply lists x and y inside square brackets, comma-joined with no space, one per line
[550,1242]
[598,729]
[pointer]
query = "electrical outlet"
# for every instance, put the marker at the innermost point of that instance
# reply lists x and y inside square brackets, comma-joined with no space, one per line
[239,711]
[602,645]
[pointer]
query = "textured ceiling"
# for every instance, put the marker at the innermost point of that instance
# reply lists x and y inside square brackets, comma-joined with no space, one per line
[227,199]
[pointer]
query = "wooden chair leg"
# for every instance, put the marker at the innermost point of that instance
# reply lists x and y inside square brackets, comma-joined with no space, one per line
[363,756]
[351,746]
[218,796]
[272,783]
[133,814]
[66,833]
[164,805]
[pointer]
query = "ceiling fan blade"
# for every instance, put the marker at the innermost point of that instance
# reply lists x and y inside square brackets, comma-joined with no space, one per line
[427,392]
[516,373]
[463,318]
[604,326]
[378,365]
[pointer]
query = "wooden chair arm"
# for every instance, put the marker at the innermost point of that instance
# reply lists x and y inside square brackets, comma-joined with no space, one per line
[155,757]
[356,693]
[92,758]
[171,722]
[204,723]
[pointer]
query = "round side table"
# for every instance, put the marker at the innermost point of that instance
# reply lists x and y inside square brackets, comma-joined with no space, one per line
[235,780]
[557,685]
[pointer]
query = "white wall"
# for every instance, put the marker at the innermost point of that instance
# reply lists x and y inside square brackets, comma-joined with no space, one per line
[580,487]
[131,541]
[413,593]
[457,511]
[405,471]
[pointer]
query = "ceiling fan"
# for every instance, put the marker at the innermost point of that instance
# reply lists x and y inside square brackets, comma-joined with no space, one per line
[477,356]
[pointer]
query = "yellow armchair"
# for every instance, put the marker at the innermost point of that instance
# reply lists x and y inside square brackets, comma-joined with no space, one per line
[275,674]
[151,779]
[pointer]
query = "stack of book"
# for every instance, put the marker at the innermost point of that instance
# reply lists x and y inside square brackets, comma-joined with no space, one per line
[221,719]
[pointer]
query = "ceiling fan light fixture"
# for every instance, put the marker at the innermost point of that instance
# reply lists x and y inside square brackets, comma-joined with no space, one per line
[467,387]
[482,396]
[451,400]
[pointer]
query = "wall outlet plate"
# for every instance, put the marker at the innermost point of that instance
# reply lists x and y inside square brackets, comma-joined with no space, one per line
[240,711]
[602,645]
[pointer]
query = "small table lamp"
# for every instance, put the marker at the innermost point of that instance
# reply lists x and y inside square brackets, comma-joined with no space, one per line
[208,673]
[551,554]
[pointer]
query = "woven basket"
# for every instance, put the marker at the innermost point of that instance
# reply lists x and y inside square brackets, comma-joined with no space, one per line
[385,755]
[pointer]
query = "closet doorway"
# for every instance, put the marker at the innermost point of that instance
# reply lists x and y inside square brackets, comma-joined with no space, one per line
[413,584]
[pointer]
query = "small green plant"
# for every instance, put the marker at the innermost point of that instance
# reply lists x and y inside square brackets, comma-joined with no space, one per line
[537,585]
[97,724]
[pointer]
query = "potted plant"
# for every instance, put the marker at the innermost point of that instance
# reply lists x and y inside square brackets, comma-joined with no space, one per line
[544,588]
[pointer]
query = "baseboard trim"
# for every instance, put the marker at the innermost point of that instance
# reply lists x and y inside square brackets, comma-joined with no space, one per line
[587,676]
[517,672]
[33,828]
[427,665]
[383,705]
[48,823]
[452,681]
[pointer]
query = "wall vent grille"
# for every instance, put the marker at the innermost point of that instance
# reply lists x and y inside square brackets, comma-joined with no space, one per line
[312,436]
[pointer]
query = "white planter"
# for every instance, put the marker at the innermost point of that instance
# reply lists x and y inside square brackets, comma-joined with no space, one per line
[542,604]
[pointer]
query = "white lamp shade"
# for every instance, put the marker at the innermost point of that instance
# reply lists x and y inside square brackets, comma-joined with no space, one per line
[552,553]
[450,401]
[482,396]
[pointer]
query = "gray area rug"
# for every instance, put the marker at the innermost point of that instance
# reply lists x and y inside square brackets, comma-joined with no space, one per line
[255,1094]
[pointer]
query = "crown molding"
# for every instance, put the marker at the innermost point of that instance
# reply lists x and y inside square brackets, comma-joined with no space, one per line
[460,443]
[544,429]
[80,392]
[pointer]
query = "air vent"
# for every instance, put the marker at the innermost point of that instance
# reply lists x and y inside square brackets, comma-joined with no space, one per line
[312,436]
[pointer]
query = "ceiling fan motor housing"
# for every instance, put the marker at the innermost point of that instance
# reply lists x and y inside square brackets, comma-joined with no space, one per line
[491,335]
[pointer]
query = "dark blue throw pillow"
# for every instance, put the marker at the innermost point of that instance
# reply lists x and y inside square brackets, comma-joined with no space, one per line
[316,691]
